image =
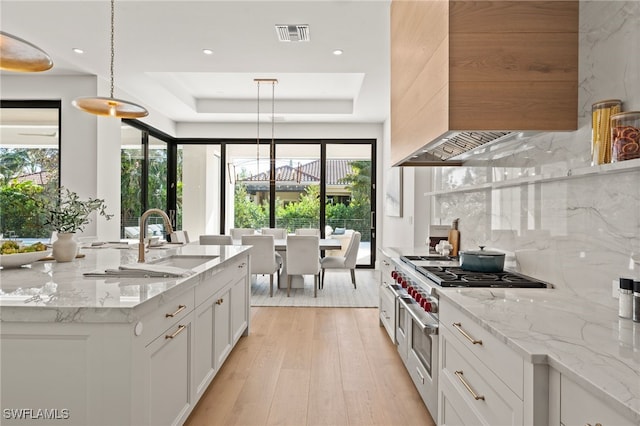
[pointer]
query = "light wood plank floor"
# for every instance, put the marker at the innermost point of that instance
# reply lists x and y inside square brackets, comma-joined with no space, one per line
[312,366]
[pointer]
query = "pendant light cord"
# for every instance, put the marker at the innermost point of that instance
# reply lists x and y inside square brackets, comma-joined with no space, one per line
[258,136]
[112,43]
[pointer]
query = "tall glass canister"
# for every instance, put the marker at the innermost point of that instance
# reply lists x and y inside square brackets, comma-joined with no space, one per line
[625,135]
[601,113]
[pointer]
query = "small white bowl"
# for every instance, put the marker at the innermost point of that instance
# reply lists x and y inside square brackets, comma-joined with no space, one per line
[16,260]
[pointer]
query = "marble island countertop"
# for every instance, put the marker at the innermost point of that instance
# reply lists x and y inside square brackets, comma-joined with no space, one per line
[583,340]
[48,291]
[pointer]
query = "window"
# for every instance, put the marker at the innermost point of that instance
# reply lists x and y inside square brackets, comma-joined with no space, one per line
[29,163]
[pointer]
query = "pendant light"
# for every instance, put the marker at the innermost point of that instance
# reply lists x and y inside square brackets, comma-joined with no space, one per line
[272,145]
[19,55]
[110,106]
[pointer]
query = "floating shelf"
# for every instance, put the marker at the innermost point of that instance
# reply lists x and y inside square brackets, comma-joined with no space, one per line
[581,172]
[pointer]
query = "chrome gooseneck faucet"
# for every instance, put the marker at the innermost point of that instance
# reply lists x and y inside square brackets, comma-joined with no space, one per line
[143,229]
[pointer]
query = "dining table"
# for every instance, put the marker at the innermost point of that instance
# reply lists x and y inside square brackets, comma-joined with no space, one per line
[297,281]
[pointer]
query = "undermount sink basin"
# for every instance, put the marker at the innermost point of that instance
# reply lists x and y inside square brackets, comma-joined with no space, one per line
[183,261]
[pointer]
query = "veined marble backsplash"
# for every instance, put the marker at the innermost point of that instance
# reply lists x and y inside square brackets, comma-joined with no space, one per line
[580,232]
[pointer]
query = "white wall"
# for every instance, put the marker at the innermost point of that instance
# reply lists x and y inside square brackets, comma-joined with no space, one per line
[397,231]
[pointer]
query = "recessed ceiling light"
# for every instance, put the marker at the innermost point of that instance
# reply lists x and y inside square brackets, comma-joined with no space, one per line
[78,50]
[207,51]
[338,52]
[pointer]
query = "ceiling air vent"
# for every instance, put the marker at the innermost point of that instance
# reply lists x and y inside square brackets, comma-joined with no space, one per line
[293,32]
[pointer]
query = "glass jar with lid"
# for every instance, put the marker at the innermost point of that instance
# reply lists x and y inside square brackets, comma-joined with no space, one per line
[625,136]
[601,113]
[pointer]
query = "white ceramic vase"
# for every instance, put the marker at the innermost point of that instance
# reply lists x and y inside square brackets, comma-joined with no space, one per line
[65,247]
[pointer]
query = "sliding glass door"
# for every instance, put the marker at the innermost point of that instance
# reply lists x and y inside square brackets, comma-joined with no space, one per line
[349,195]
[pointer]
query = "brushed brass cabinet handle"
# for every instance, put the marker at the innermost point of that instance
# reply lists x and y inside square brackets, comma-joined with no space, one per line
[458,327]
[180,309]
[178,331]
[466,385]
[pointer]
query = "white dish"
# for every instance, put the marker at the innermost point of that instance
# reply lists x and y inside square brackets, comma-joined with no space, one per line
[18,259]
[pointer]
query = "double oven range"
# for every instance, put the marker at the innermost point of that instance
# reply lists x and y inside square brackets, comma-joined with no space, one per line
[416,280]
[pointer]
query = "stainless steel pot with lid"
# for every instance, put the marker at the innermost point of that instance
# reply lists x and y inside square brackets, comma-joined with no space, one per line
[482,260]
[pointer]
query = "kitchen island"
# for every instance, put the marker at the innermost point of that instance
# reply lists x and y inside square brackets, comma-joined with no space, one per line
[567,358]
[79,350]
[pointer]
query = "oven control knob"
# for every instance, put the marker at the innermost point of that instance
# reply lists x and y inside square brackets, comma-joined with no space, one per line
[426,304]
[394,274]
[433,305]
[418,297]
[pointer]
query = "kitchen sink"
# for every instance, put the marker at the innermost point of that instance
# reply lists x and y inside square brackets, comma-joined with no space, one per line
[184,261]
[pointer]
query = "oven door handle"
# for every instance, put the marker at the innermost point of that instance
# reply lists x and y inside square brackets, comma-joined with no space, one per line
[427,324]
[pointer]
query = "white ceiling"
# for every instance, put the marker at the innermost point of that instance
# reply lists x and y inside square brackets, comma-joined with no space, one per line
[159,61]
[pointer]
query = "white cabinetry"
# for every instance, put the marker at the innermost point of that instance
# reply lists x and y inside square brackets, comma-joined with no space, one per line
[146,372]
[481,380]
[221,319]
[168,361]
[575,405]
[387,299]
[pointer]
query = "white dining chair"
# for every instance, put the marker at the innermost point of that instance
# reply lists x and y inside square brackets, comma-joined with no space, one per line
[264,259]
[348,261]
[216,240]
[237,233]
[308,231]
[303,258]
[278,233]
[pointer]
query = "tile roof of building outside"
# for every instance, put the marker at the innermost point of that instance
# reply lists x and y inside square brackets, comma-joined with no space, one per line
[337,169]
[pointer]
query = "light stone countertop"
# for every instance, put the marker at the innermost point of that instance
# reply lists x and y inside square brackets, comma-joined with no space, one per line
[48,291]
[583,339]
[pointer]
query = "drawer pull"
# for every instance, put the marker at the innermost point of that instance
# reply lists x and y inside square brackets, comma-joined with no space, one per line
[466,385]
[219,301]
[458,326]
[180,309]
[178,331]
[597,424]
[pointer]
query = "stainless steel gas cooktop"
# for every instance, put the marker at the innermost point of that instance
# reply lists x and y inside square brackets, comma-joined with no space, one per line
[446,272]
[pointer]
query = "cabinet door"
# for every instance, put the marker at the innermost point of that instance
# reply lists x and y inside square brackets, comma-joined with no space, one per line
[239,308]
[387,299]
[169,364]
[579,407]
[204,366]
[222,326]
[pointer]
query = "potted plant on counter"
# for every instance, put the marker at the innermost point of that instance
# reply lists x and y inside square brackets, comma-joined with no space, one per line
[67,214]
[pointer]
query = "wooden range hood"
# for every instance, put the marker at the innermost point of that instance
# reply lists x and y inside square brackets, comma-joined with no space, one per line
[479,71]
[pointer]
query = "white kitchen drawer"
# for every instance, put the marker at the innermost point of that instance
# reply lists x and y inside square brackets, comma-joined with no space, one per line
[167,314]
[500,359]
[496,403]
[579,407]
[453,410]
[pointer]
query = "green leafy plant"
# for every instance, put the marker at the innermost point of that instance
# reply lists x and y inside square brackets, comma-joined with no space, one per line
[68,213]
